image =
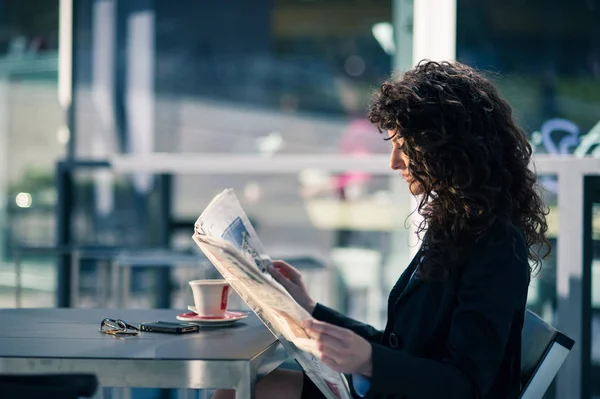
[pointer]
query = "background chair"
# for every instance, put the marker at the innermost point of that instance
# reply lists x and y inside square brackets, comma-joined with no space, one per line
[544,349]
[63,386]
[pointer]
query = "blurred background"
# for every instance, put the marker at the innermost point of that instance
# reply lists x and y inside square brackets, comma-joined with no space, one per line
[121,119]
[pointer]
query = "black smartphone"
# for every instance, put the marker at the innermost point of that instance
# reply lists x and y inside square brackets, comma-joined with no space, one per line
[169,327]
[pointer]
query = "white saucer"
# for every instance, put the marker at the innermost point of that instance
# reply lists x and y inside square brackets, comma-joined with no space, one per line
[230,317]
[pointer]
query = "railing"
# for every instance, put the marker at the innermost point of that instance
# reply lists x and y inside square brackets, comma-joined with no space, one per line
[29,63]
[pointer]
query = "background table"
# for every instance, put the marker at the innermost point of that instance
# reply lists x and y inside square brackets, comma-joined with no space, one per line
[36,341]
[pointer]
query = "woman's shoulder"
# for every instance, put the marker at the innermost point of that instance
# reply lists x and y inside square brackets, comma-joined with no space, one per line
[499,260]
[501,245]
[501,235]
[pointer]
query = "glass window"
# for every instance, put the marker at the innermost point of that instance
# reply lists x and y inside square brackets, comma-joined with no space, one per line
[283,76]
[31,141]
[260,77]
[547,59]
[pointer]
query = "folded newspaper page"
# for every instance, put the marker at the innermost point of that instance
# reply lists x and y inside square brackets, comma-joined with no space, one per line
[225,235]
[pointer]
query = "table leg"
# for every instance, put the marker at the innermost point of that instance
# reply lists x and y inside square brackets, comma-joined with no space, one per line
[119,393]
[99,393]
[245,387]
[191,394]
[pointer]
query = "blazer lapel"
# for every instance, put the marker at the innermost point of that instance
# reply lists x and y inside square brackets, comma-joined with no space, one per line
[413,284]
[403,281]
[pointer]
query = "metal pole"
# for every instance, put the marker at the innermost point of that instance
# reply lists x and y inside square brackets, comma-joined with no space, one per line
[63,233]
[591,195]
[18,282]
[66,71]
[4,162]
[163,274]
[74,278]
[103,269]
[569,284]
[115,288]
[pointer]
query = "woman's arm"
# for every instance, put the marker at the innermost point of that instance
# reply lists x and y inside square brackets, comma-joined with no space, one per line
[328,315]
[291,279]
[493,286]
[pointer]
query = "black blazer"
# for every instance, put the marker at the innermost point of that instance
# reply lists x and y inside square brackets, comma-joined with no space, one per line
[458,338]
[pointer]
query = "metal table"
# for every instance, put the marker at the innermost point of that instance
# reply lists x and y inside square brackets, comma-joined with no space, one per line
[36,341]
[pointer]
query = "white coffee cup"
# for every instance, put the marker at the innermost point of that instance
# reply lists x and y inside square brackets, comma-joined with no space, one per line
[210,297]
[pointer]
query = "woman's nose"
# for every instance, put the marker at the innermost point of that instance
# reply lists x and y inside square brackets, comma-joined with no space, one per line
[396,162]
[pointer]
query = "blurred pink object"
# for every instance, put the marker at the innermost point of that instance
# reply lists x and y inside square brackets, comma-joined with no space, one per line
[359,138]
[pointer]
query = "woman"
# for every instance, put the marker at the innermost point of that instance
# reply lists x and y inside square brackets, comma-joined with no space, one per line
[455,315]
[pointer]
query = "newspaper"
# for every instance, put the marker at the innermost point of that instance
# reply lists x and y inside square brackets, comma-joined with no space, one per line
[226,236]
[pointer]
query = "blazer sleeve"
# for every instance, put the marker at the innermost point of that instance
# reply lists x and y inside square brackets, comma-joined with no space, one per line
[328,315]
[492,287]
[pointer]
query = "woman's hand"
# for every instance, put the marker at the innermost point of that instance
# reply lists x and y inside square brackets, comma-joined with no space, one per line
[291,279]
[341,349]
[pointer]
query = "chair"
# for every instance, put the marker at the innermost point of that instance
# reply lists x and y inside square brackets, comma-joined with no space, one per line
[63,386]
[544,349]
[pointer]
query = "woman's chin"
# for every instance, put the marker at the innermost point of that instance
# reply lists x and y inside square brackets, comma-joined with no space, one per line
[415,188]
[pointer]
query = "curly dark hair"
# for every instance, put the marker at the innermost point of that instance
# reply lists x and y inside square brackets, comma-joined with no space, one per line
[469,157]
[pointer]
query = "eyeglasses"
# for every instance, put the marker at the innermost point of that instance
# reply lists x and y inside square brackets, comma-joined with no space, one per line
[118,328]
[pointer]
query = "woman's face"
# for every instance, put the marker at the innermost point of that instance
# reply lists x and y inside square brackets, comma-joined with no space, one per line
[399,161]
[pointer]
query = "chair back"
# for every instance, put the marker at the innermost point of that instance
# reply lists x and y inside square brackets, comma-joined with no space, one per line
[543,351]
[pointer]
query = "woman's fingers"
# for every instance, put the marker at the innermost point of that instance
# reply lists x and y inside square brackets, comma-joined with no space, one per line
[287,270]
[340,348]
[331,342]
[280,278]
[331,346]
[319,328]
[291,280]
